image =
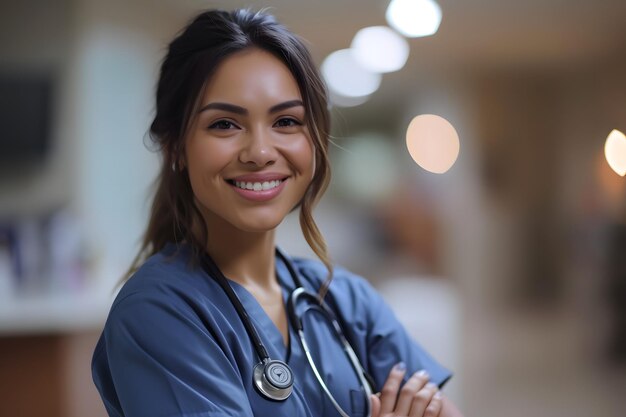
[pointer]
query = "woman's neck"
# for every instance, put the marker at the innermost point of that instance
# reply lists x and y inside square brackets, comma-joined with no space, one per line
[244,257]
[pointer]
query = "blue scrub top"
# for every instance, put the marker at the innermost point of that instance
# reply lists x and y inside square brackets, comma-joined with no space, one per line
[173,345]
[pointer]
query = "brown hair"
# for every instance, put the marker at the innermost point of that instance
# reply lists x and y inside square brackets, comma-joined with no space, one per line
[191,59]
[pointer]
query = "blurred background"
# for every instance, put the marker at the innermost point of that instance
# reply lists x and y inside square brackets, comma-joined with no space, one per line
[510,267]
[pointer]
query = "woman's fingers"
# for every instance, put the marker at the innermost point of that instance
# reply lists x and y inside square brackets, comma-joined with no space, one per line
[422,399]
[409,391]
[416,398]
[389,392]
[435,406]
[375,405]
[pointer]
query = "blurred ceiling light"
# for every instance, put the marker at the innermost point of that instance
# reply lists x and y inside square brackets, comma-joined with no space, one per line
[432,143]
[615,151]
[346,77]
[414,18]
[380,49]
[342,101]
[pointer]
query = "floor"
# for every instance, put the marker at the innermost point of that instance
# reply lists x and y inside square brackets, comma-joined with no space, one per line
[538,364]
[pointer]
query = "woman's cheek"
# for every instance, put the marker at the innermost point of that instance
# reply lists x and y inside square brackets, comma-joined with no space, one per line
[304,154]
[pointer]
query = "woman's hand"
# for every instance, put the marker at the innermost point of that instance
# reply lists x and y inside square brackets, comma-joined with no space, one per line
[417,398]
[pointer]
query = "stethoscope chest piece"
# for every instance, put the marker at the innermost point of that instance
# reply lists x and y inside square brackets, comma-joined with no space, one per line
[274,379]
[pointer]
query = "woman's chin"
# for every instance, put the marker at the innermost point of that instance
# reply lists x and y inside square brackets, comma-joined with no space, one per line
[259,225]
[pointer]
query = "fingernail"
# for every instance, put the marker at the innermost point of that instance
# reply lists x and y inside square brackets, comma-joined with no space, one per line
[437,395]
[400,366]
[430,385]
[421,374]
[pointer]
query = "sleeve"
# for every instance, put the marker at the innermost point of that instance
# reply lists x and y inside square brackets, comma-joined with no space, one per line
[165,362]
[386,342]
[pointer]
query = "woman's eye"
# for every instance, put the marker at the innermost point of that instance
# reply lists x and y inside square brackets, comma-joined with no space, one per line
[287,122]
[223,125]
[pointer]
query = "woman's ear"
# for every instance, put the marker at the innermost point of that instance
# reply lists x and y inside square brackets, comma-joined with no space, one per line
[179,160]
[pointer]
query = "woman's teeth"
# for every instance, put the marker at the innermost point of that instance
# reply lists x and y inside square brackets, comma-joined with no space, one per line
[258,186]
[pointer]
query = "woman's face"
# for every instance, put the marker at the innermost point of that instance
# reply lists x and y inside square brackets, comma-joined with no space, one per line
[249,154]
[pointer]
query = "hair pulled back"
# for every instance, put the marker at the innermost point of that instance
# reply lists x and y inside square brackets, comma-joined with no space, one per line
[191,60]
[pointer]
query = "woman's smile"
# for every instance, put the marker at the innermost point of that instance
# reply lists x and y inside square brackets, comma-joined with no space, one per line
[259,187]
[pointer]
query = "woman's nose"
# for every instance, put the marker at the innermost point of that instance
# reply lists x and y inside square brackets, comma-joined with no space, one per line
[258,149]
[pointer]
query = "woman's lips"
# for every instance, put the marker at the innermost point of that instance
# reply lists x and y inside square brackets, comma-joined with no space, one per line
[261,195]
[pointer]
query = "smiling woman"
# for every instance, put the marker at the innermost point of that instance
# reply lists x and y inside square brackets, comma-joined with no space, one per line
[205,322]
[250,131]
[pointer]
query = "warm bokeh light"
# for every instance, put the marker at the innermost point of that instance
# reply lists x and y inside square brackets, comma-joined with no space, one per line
[615,151]
[414,18]
[432,142]
[608,191]
[380,49]
[345,76]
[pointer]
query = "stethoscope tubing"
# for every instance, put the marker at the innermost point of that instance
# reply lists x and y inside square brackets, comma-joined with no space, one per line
[212,270]
[354,361]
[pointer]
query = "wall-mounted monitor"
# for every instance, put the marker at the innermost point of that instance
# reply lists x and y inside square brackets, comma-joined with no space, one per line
[25,118]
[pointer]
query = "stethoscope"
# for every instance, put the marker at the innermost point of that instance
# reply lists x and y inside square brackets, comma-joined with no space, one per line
[274,378]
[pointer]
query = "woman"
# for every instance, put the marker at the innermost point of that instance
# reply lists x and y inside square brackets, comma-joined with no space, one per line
[207,325]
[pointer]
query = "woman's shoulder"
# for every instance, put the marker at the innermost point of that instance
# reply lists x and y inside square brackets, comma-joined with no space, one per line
[166,274]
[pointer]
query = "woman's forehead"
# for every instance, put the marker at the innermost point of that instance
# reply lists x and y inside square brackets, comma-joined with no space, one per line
[252,77]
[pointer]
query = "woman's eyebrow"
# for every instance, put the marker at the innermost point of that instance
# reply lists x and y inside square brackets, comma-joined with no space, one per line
[225,107]
[232,108]
[286,105]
